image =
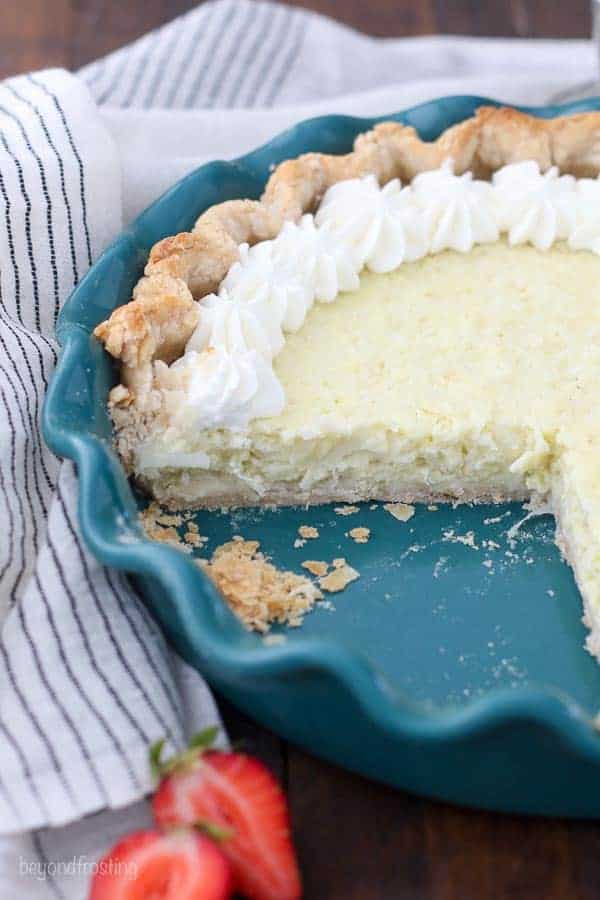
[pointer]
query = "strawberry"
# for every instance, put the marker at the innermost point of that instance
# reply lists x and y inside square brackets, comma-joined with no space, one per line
[176,865]
[237,800]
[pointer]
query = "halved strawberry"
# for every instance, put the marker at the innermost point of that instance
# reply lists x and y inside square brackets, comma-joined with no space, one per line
[237,800]
[176,865]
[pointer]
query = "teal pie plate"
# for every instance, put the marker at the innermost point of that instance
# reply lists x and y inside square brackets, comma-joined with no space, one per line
[453,667]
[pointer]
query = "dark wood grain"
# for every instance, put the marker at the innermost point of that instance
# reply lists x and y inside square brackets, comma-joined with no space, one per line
[100,26]
[30,38]
[363,841]
[358,840]
[249,737]
[384,18]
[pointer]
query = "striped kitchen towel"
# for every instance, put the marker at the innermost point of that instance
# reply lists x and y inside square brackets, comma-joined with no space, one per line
[86,681]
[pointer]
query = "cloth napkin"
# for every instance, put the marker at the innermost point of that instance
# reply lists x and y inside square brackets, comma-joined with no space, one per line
[86,681]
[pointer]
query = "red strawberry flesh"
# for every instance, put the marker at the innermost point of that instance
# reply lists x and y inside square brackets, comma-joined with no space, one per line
[152,865]
[238,794]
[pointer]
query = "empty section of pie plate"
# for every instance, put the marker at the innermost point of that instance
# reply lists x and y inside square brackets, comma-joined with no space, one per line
[451,604]
[453,666]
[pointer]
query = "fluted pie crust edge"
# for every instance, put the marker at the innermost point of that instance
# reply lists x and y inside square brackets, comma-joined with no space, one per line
[158,322]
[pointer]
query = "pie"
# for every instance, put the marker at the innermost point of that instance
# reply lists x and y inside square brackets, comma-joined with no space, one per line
[414,321]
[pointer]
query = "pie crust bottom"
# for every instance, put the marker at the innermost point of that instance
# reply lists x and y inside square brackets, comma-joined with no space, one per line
[190,491]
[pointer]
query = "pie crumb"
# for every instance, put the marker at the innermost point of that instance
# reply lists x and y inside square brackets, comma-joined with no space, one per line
[360,534]
[345,510]
[308,532]
[338,562]
[315,566]
[467,539]
[433,507]
[193,537]
[258,592]
[162,527]
[401,511]
[338,579]
[274,640]
[169,519]
[299,542]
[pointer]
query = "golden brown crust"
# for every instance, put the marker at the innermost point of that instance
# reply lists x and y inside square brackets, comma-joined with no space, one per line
[157,323]
[192,258]
[257,592]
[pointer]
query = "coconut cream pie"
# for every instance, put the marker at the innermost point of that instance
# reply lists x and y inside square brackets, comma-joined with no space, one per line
[411,322]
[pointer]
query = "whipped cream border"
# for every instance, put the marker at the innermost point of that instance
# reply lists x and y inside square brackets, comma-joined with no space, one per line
[225,378]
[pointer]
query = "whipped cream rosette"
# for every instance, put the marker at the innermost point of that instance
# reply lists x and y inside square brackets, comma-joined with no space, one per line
[226,378]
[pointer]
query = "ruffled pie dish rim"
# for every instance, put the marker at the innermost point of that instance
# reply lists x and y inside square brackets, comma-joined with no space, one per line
[357,719]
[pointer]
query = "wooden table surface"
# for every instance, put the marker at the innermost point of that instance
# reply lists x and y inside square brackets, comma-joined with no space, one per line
[358,840]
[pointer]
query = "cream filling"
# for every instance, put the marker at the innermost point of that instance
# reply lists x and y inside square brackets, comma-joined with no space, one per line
[498,351]
[575,500]
[226,378]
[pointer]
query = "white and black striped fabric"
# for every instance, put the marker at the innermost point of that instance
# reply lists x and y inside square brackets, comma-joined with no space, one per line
[86,682]
[232,53]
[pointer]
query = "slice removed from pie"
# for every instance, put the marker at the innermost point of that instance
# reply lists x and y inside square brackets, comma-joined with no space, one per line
[412,322]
